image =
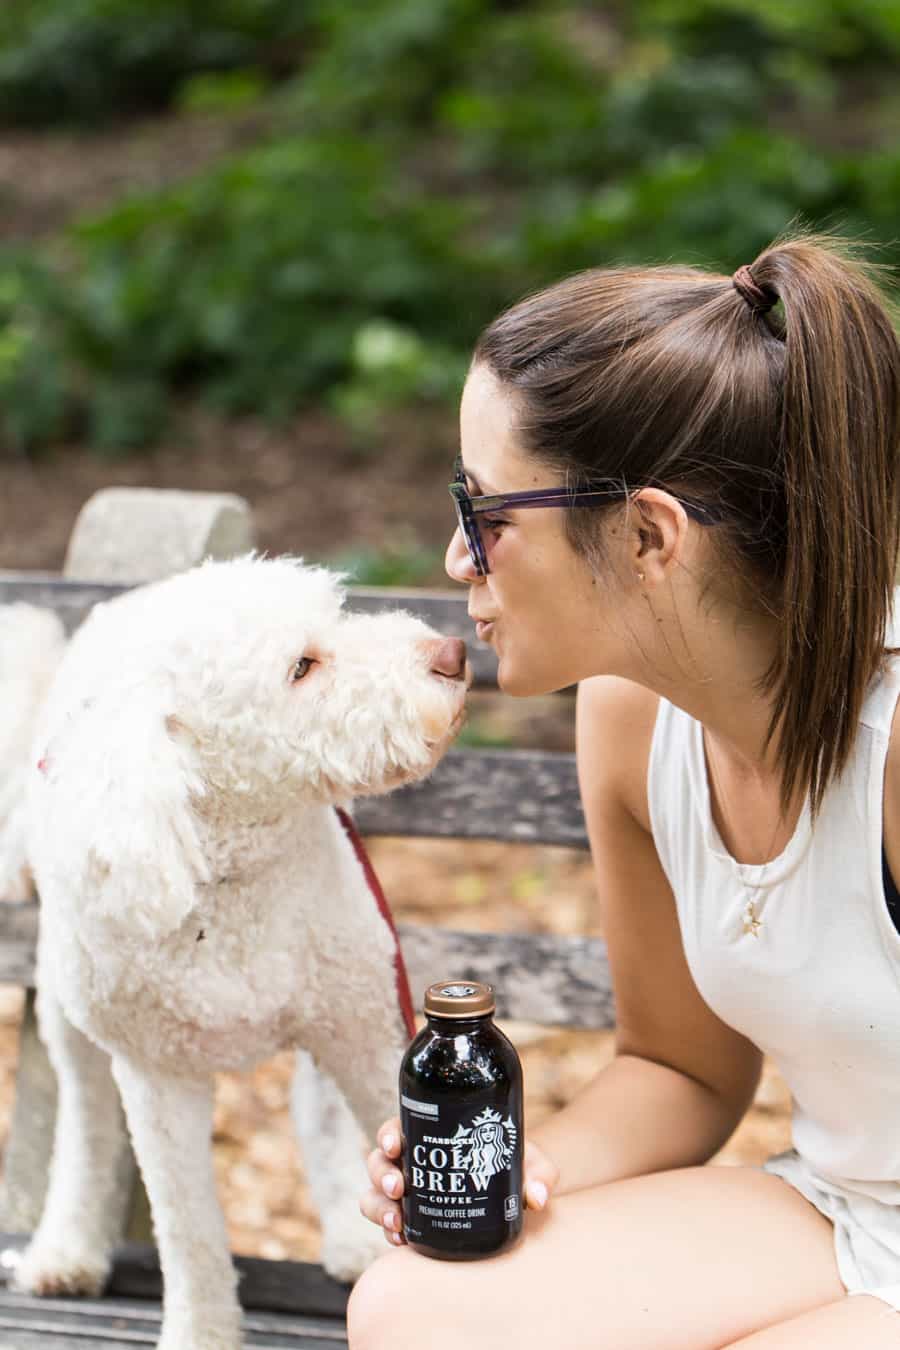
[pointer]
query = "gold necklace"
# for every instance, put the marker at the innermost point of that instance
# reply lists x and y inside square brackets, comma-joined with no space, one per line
[750,919]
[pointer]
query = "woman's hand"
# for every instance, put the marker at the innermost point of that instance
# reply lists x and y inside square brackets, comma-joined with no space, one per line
[541,1176]
[381,1204]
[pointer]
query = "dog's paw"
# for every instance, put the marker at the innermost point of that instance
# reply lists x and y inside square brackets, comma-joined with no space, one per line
[48,1269]
[350,1248]
[206,1339]
[198,1332]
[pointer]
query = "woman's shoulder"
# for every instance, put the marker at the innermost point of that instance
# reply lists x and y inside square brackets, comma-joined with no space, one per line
[616,720]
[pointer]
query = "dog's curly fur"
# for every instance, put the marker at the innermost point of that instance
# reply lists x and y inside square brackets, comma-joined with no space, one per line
[201,905]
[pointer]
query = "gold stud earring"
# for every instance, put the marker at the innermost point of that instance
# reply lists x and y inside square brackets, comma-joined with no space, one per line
[640,576]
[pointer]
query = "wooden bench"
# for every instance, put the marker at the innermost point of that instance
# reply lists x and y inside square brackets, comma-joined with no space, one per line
[125,537]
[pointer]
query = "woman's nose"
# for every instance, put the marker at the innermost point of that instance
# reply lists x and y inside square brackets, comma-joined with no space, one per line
[457,563]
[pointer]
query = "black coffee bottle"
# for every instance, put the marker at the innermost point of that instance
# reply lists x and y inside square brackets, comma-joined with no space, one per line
[461,1117]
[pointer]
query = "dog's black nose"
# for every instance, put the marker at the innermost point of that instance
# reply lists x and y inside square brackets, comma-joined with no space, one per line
[449,658]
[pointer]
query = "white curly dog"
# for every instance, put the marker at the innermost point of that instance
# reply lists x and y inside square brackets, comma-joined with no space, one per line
[202,903]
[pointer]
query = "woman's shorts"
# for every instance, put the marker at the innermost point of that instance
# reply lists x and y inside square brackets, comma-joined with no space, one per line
[866,1230]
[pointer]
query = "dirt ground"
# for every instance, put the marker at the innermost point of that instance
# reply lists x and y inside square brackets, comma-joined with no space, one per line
[316,493]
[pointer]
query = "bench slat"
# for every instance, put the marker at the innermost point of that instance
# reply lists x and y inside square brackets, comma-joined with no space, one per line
[538,977]
[445,611]
[17,1339]
[18,939]
[296,1289]
[513,796]
[555,981]
[97,1322]
[141,1314]
[518,796]
[58,1332]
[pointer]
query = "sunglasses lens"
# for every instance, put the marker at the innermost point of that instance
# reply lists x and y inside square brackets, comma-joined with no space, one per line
[472,537]
[475,546]
[468,528]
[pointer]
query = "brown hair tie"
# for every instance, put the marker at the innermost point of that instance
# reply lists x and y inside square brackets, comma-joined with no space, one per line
[756,297]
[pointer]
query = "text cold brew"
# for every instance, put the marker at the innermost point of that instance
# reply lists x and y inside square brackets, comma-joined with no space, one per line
[461,1116]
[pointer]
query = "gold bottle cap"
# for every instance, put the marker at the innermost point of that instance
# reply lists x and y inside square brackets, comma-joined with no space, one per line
[459,999]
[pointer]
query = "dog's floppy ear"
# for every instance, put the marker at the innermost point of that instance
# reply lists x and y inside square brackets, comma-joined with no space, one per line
[124,775]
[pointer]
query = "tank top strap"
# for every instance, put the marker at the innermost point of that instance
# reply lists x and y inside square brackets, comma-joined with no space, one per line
[670,799]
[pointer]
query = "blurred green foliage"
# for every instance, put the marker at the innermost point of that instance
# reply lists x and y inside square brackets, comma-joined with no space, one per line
[479,734]
[433,160]
[91,61]
[400,561]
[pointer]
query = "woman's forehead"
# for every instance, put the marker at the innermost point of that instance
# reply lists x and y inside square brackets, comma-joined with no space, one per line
[491,453]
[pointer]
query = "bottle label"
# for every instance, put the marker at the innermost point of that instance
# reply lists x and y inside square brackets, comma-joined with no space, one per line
[423,1108]
[464,1170]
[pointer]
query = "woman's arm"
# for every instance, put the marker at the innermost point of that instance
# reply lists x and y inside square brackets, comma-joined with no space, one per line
[681,1079]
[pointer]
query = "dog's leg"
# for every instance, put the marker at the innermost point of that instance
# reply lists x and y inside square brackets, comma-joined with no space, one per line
[337,1107]
[84,1208]
[171,1127]
[333,1148]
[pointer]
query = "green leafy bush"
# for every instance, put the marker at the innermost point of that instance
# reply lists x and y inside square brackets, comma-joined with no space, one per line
[432,163]
[390,366]
[257,279]
[844,32]
[90,60]
[401,562]
[34,390]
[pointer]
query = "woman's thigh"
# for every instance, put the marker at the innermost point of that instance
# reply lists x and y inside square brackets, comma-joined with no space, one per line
[692,1259]
[853,1322]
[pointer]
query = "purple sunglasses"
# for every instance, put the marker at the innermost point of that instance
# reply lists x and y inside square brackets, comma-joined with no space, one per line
[468,507]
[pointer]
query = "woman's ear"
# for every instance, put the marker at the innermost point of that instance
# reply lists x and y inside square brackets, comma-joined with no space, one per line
[124,777]
[659,530]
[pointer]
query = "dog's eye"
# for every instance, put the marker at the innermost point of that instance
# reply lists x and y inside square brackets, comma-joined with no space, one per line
[301,668]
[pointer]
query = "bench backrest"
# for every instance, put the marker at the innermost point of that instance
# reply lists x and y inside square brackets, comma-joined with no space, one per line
[517,796]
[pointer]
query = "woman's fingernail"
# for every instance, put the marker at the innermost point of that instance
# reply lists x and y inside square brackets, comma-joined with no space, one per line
[389,1143]
[397,1239]
[390,1220]
[537,1194]
[391,1185]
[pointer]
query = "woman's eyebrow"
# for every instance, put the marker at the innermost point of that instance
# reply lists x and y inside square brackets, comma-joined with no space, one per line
[484,488]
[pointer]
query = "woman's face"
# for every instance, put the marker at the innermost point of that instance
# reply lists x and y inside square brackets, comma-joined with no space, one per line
[548,615]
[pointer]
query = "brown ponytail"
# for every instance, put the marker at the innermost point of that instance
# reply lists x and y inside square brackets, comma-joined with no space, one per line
[787,419]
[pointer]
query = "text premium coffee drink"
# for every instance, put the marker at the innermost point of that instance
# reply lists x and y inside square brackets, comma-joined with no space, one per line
[461,1117]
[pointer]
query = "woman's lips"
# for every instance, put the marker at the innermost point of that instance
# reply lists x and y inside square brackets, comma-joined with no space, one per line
[483,630]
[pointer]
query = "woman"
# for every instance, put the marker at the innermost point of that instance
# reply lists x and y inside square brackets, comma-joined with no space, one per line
[722,600]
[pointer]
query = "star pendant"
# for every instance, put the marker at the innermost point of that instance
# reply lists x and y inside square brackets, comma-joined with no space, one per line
[752,924]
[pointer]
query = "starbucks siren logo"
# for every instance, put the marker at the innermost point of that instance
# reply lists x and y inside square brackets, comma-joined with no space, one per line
[486,1148]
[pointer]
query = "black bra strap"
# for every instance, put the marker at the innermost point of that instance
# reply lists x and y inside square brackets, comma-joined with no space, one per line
[891,893]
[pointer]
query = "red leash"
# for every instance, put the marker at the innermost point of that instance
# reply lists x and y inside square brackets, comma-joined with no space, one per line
[403,995]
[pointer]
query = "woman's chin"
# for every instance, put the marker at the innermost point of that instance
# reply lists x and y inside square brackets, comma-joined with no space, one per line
[515,682]
[525,684]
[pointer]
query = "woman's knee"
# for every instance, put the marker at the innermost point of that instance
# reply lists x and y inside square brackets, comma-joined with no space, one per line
[383,1299]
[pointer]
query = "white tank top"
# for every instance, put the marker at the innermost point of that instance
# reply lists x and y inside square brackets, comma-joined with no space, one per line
[817,988]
